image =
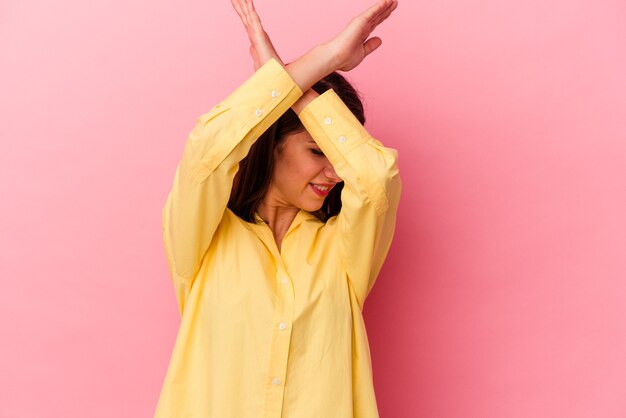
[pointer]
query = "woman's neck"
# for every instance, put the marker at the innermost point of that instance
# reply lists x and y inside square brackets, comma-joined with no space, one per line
[278,217]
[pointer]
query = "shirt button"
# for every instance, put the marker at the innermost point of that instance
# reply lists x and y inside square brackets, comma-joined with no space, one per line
[282,325]
[276,381]
[274,93]
[258,112]
[342,139]
[328,121]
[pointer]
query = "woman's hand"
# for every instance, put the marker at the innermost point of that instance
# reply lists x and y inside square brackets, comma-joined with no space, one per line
[261,48]
[351,46]
[344,52]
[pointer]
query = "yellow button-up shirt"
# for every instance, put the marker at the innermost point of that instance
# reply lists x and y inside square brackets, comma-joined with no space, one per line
[267,333]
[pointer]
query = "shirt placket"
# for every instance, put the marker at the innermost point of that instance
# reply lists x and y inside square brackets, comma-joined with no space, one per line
[282,322]
[279,349]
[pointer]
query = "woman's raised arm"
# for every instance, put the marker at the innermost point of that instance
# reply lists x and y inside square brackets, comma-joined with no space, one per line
[343,52]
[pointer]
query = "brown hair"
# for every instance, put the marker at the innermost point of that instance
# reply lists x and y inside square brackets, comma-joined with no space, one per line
[255,170]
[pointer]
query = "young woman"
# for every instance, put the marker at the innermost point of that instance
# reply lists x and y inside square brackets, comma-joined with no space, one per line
[279,219]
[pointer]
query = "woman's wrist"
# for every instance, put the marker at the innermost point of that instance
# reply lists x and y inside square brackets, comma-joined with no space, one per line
[311,67]
[303,101]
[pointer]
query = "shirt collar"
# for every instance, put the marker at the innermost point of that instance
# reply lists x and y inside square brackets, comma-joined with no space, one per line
[301,216]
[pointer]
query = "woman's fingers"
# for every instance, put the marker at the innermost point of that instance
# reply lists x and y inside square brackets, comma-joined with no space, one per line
[370,45]
[385,14]
[352,45]
[254,16]
[375,15]
[382,13]
[246,10]
[238,8]
[261,48]
[376,10]
[248,15]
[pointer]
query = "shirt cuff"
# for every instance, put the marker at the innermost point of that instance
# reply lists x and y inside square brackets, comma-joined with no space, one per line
[270,85]
[242,116]
[333,126]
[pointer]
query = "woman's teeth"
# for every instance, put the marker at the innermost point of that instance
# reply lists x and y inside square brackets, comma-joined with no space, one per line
[322,188]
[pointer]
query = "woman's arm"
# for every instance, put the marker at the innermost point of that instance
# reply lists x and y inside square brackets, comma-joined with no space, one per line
[203,180]
[344,52]
[364,228]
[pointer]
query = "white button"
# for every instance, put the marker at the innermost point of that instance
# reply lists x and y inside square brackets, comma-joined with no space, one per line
[342,139]
[328,121]
[258,112]
[276,381]
[285,280]
[274,93]
[282,325]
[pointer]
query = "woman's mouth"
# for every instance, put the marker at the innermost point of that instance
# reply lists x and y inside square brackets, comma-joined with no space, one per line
[320,190]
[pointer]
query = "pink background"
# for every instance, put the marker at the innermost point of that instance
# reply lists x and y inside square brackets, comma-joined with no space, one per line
[504,294]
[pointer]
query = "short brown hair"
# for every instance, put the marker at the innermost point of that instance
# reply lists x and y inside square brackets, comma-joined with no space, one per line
[255,170]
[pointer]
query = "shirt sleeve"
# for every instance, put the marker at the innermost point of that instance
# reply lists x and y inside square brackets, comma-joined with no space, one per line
[203,180]
[371,192]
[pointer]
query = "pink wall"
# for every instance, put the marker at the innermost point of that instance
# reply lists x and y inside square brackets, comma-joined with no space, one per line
[504,293]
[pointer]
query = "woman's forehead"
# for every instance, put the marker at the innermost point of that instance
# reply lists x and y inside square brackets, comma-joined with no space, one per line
[304,137]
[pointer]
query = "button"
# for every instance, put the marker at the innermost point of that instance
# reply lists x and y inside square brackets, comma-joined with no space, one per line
[282,325]
[276,381]
[328,121]
[258,112]
[285,279]
[342,139]
[274,93]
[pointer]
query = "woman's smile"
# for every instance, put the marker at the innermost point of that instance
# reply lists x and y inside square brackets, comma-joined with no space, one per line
[320,190]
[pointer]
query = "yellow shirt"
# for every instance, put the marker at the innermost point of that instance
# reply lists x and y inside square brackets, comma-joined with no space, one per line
[263,333]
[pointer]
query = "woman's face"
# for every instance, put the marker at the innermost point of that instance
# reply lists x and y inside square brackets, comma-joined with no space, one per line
[299,167]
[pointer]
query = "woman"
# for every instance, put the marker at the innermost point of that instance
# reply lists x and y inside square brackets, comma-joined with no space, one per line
[275,229]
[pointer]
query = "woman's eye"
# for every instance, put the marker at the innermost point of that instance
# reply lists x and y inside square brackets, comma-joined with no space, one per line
[316,151]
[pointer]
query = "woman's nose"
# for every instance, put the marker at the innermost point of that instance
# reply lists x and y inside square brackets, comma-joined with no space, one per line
[330,172]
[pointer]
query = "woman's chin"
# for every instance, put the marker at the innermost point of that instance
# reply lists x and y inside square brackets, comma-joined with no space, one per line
[312,206]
